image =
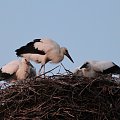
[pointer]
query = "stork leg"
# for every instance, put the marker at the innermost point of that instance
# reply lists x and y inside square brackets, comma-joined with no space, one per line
[44,70]
[40,69]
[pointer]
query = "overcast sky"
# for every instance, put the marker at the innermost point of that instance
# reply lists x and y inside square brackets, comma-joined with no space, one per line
[90,29]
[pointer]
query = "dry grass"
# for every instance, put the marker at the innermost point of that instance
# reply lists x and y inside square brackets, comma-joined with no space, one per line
[61,98]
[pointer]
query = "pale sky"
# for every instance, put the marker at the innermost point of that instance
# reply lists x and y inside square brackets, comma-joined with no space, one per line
[90,29]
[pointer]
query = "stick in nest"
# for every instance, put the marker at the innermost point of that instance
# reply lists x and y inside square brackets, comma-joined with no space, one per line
[47,72]
[68,71]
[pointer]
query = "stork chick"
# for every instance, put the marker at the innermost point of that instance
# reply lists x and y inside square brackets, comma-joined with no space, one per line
[93,68]
[17,70]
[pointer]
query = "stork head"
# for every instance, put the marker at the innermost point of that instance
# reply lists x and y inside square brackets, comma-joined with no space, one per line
[86,65]
[65,52]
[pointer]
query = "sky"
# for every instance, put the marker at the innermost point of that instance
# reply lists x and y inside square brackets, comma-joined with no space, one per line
[90,29]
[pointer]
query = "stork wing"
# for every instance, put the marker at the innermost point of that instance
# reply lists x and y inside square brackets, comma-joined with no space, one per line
[29,48]
[46,45]
[113,69]
[103,65]
[11,67]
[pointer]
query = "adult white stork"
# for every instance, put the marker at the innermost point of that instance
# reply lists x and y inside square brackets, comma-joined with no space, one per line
[43,51]
[93,68]
[17,70]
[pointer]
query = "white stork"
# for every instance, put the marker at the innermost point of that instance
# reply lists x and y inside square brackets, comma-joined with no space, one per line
[93,68]
[17,70]
[43,51]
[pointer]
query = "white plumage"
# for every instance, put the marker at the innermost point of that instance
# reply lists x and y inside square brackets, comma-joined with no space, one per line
[43,51]
[93,68]
[11,67]
[17,70]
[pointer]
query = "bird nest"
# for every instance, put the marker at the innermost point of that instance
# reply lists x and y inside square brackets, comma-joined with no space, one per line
[61,97]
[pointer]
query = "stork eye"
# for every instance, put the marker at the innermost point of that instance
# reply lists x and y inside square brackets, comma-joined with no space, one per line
[66,51]
[86,63]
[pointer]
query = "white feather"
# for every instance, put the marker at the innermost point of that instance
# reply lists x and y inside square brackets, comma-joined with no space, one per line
[47,45]
[101,65]
[11,67]
[93,68]
[20,68]
[53,52]
[35,57]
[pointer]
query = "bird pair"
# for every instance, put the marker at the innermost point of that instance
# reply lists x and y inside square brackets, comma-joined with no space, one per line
[39,51]
[93,68]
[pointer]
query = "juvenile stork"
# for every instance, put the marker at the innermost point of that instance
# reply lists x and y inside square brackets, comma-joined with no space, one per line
[93,68]
[43,51]
[17,70]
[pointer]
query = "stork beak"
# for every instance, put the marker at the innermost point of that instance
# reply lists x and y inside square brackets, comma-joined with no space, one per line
[84,66]
[26,61]
[68,55]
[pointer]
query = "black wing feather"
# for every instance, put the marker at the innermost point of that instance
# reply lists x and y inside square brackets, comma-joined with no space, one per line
[4,76]
[114,69]
[29,48]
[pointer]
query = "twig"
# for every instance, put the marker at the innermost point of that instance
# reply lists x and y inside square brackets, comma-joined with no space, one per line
[86,87]
[68,71]
[59,70]
[48,71]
